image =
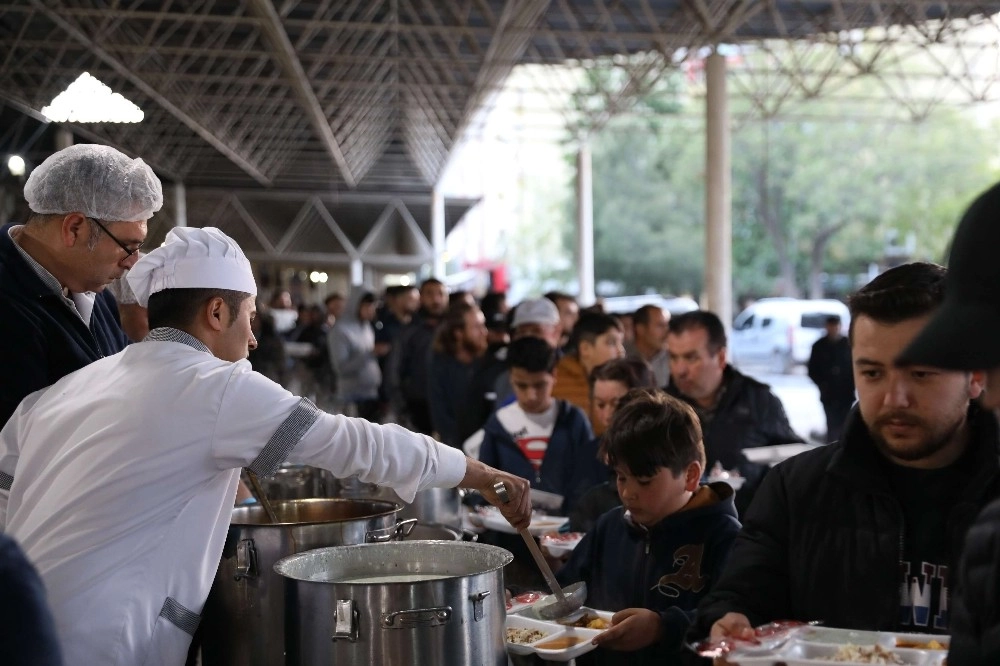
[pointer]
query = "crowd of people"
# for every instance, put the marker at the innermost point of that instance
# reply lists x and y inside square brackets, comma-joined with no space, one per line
[892,525]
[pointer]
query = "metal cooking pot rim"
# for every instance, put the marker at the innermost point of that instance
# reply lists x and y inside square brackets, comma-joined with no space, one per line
[380,508]
[288,566]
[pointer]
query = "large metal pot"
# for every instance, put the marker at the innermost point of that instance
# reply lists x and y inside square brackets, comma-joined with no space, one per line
[421,532]
[441,506]
[410,602]
[243,621]
[299,482]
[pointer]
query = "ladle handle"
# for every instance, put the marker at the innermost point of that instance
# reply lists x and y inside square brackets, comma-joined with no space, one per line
[543,566]
[261,497]
[501,490]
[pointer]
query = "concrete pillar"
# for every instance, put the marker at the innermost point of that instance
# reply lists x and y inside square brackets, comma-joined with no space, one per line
[180,205]
[64,138]
[437,232]
[357,272]
[585,224]
[718,194]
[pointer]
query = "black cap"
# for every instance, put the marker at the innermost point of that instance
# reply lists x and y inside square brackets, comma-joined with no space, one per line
[965,332]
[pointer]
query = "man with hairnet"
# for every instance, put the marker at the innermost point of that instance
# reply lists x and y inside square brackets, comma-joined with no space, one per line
[89,206]
[152,440]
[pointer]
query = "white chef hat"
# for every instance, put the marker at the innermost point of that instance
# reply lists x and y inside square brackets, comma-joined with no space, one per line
[192,258]
[97,181]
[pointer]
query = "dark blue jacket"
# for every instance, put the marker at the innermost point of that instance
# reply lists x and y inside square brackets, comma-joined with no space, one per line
[570,465]
[667,568]
[42,340]
[27,631]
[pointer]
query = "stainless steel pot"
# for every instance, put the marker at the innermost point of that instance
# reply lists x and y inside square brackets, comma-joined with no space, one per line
[299,482]
[243,621]
[441,506]
[425,602]
[433,533]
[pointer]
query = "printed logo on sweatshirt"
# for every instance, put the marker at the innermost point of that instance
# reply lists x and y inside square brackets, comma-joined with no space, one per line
[532,446]
[924,597]
[688,576]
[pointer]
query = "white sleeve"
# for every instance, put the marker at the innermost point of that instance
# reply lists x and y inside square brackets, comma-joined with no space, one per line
[261,425]
[10,451]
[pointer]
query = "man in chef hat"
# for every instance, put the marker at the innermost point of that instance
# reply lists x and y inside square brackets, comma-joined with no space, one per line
[118,480]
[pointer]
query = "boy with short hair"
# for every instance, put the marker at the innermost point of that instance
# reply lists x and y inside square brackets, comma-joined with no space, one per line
[596,339]
[652,559]
[537,437]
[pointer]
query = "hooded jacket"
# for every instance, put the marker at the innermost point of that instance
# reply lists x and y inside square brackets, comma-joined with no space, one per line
[824,537]
[667,568]
[570,465]
[41,339]
[351,344]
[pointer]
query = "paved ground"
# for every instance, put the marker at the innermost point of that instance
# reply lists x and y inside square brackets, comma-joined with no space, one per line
[799,396]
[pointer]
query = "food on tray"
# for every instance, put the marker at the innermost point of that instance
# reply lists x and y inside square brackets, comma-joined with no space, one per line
[587,621]
[932,644]
[524,636]
[564,537]
[526,598]
[561,643]
[876,654]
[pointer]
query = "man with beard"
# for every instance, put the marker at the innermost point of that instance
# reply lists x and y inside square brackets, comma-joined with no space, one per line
[459,342]
[407,369]
[863,533]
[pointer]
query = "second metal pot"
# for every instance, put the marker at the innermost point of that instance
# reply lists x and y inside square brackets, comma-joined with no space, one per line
[243,621]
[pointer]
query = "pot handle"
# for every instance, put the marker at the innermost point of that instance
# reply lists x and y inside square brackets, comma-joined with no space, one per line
[345,621]
[394,533]
[246,560]
[417,617]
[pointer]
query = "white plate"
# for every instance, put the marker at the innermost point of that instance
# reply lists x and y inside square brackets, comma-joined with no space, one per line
[735,481]
[562,544]
[540,523]
[772,455]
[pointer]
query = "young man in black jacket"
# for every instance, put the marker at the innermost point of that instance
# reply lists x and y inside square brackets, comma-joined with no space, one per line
[963,335]
[862,534]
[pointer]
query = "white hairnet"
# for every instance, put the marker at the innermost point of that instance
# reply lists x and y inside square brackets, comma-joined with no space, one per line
[192,258]
[97,181]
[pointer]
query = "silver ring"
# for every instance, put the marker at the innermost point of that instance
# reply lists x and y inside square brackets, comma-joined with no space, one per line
[500,488]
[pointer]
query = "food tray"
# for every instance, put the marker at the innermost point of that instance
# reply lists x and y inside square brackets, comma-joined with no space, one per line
[561,544]
[555,632]
[815,646]
[772,455]
[540,522]
[524,600]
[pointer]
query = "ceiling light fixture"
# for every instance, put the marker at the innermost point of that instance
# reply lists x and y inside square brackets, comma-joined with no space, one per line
[87,100]
[15,164]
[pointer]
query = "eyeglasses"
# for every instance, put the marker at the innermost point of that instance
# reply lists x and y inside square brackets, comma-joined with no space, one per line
[129,251]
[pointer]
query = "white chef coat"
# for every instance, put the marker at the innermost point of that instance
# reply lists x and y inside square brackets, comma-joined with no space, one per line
[118,481]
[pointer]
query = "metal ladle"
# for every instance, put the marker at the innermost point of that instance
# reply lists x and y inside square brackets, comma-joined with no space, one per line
[567,601]
[258,491]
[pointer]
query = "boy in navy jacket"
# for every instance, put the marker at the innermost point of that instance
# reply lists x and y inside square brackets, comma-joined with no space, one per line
[547,441]
[653,559]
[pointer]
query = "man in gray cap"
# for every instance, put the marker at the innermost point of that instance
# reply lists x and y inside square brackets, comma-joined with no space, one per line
[89,205]
[964,336]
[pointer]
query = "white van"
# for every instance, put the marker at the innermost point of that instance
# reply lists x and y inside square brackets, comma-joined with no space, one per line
[781,331]
[627,305]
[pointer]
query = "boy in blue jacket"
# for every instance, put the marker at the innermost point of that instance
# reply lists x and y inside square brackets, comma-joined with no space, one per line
[537,437]
[653,559]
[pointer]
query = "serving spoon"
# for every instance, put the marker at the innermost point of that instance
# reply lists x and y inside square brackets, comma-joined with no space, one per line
[567,601]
